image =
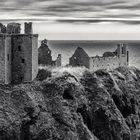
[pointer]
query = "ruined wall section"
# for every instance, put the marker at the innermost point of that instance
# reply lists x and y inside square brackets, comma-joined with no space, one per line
[120,59]
[34,56]
[79,58]
[2,58]
[104,63]
[58,61]
[13,28]
[44,55]
[21,58]
[108,62]
[79,61]
[8,54]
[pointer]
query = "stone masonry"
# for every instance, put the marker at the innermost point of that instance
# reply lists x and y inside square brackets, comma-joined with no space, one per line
[18,54]
[109,60]
[45,56]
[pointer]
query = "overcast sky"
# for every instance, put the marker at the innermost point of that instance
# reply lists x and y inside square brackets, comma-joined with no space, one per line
[76,19]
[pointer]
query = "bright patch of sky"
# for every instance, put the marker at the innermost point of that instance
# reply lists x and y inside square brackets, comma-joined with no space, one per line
[76,19]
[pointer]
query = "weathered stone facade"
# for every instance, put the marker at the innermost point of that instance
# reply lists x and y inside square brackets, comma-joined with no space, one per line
[45,56]
[13,28]
[18,55]
[2,58]
[109,60]
[79,58]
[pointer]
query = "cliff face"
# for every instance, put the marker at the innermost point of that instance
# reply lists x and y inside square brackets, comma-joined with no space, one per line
[73,105]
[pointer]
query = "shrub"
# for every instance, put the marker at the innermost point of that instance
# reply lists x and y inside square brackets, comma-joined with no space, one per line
[43,74]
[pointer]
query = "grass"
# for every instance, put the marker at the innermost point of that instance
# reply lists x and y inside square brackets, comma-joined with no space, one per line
[45,72]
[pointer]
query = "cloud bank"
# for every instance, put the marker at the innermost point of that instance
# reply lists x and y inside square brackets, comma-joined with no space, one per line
[72,11]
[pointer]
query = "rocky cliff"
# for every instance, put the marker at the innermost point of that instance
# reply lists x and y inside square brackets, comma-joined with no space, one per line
[73,104]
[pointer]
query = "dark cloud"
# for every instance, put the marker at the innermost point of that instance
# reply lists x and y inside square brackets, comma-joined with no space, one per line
[125,6]
[132,22]
[74,8]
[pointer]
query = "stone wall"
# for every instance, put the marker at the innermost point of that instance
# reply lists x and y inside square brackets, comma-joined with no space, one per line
[18,54]
[13,28]
[8,59]
[107,62]
[44,55]
[120,59]
[2,58]
[79,58]
[22,58]
[34,56]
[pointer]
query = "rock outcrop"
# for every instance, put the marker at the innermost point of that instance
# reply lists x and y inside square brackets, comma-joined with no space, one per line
[101,105]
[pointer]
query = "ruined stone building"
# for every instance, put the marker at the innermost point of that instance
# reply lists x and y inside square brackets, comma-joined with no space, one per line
[18,53]
[45,56]
[80,58]
[109,60]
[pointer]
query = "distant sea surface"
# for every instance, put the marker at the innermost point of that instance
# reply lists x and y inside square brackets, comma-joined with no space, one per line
[67,48]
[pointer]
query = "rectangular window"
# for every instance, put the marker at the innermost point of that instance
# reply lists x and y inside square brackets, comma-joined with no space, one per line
[23,60]
[21,78]
[8,57]
[19,48]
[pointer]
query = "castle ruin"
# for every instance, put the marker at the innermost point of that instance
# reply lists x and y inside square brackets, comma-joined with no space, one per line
[109,60]
[18,53]
[45,56]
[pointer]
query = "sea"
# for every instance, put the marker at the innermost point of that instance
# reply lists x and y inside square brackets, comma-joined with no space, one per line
[94,47]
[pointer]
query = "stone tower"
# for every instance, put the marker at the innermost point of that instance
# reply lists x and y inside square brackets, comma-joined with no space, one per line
[123,53]
[18,55]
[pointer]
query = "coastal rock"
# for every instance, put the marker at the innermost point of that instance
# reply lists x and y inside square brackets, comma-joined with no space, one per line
[68,105]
